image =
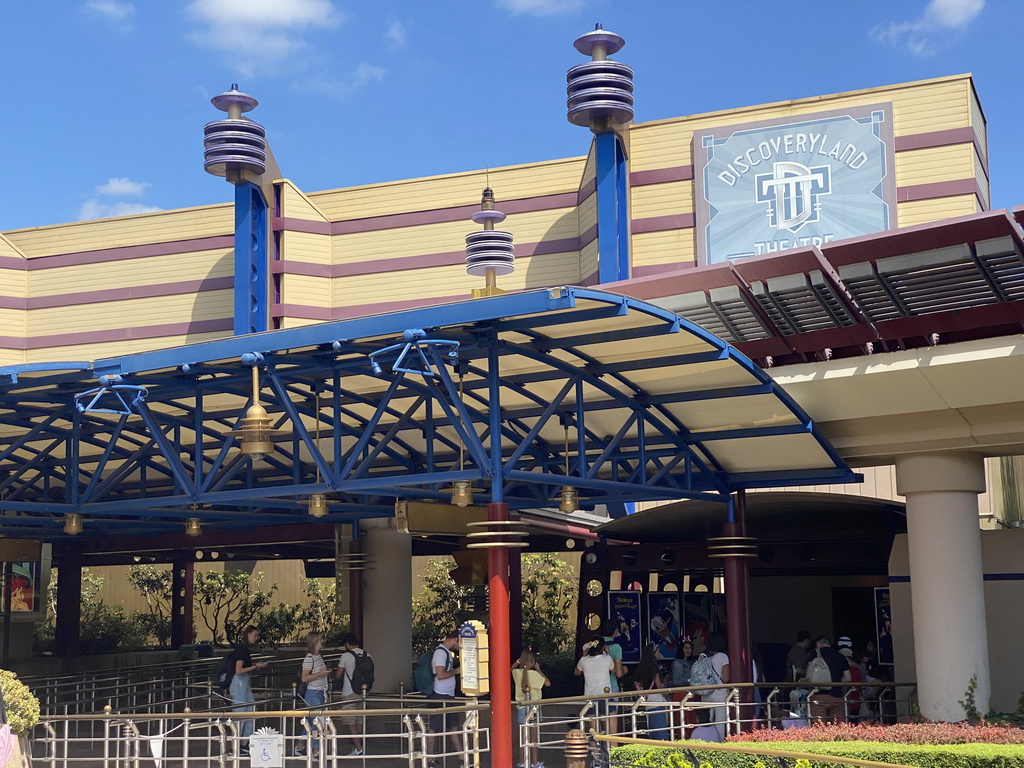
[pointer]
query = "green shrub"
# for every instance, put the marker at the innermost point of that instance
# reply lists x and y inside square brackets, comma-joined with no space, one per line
[926,755]
[22,707]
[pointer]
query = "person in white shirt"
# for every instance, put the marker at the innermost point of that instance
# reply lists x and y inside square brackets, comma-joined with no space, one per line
[446,674]
[595,665]
[350,699]
[719,663]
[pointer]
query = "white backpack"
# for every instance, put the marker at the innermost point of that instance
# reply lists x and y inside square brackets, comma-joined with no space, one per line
[818,671]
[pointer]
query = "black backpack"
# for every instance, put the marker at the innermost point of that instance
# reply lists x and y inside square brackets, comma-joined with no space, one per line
[362,675]
[224,672]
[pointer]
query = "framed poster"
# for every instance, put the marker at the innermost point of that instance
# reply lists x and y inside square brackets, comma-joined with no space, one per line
[704,613]
[883,625]
[624,607]
[663,623]
[24,591]
[767,186]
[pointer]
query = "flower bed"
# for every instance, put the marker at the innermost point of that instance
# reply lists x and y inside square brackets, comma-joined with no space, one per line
[906,733]
[925,755]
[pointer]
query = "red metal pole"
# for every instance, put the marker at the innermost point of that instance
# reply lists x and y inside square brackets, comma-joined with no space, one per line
[500,652]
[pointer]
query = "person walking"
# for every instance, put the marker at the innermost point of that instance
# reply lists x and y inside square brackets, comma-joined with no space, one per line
[241,688]
[350,671]
[314,673]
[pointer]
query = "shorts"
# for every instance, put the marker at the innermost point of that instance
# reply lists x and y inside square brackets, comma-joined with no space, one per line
[441,722]
[350,701]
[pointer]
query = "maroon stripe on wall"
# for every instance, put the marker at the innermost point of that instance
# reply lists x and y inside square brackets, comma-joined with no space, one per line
[937,189]
[936,139]
[429,216]
[360,310]
[119,294]
[663,223]
[656,269]
[661,175]
[117,334]
[119,254]
[586,190]
[423,261]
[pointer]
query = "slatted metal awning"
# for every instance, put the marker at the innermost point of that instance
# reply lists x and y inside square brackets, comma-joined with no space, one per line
[521,395]
[913,287]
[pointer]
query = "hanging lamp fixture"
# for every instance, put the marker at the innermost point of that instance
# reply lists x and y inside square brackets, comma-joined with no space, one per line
[317,504]
[73,524]
[193,526]
[462,490]
[568,497]
[255,430]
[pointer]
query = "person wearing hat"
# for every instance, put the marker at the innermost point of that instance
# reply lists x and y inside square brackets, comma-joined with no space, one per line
[845,646]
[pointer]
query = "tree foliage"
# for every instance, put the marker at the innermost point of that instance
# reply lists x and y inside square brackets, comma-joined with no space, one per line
[229,601]
[548,597]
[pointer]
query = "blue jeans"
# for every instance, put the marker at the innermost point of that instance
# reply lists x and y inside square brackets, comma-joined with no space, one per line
[241,694]
[315,698]
[657,723]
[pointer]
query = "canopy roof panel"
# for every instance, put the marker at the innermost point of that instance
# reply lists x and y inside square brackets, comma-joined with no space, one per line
[520,394]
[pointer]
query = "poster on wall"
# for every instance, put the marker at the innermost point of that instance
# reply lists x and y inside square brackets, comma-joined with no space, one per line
[624,608]
[663,623]
[23,592]
[768,186]
[883,625]
[704,613]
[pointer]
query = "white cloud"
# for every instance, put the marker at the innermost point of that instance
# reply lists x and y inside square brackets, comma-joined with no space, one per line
[939,19]
[397,34]
[258,34]
[540,7]
[112,10]
[343,89]
[97,209]
[121,186]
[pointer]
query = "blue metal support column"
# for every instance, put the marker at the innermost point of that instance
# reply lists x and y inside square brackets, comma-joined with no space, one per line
[251,264]
[612,208]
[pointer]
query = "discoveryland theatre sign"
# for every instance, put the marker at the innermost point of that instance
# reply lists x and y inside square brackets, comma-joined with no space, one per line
[768,186]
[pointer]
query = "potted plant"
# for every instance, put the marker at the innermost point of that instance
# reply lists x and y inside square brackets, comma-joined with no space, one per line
[22,714]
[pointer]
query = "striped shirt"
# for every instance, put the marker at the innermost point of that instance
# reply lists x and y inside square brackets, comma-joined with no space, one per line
[315,664]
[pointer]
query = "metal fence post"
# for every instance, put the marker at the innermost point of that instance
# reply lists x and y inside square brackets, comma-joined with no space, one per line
[576,749]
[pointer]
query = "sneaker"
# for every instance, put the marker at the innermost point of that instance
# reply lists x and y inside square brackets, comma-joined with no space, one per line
[300,750]
[434,763]
[357,752]
[243,752]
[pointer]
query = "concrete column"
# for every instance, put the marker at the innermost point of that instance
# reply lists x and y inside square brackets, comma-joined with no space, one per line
[387,603]
[946,579]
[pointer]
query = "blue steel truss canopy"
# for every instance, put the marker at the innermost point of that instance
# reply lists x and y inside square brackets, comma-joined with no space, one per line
[619,399]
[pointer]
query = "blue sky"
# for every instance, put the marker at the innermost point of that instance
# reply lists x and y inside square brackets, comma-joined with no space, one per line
[104,100]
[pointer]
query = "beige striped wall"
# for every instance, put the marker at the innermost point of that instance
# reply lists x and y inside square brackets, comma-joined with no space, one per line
[337,254]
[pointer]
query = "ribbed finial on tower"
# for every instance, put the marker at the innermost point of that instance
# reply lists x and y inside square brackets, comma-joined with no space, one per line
[235,145]
[489,252]
[600,90]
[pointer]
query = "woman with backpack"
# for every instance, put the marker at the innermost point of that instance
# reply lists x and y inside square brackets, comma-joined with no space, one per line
[720,675]
[241,688]
[648,679]
[313,677]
